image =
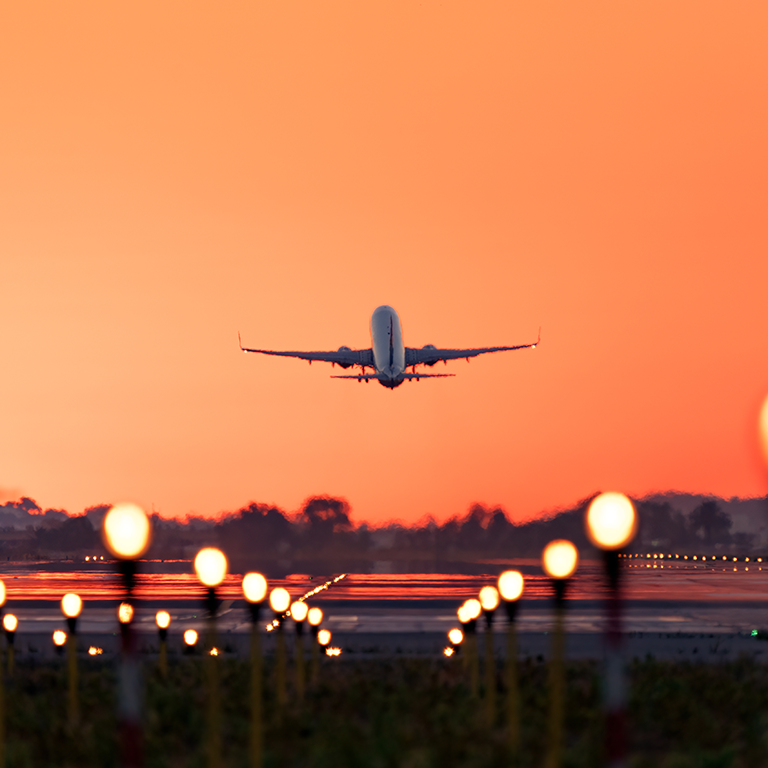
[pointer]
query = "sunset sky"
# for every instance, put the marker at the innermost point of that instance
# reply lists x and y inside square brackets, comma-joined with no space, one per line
[172,173]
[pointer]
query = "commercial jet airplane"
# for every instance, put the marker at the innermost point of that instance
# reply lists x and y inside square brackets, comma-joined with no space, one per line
[387,356]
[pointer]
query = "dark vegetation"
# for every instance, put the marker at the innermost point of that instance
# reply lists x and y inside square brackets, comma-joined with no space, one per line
[404,713]
[321,536]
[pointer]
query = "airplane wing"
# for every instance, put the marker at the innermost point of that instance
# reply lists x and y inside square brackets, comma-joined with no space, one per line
[344,356]
[430,355]
[406,376]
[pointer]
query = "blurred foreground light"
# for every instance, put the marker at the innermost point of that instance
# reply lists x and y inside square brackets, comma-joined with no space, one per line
[163,619]
[763,427]
[489,598]
[71,605]
[10,622]
[254,587]
[59,638]
[279,600]
[190,637]
[124,613]
[315,616]
[511,585]
[213,652]
[455,635]
[611,521]
[211,566]
[473,608]
[126,531]
[3,593]
[299,610]
[448,651]
[333,651]
[324,636]
[94,651]
[560,559]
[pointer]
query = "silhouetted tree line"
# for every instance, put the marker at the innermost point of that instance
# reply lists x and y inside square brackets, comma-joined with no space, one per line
[321,536]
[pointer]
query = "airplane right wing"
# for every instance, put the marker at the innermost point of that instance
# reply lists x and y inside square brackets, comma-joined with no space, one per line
[430,355]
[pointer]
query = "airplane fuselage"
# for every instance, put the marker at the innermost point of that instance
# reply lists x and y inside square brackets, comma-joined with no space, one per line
[387,345]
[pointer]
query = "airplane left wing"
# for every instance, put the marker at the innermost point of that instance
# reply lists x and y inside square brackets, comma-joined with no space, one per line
[344,356]
[430,355]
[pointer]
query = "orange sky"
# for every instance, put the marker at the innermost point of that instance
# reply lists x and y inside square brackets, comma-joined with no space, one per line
[171,173]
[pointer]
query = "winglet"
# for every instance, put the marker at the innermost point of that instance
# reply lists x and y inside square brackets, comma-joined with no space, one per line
[239,341]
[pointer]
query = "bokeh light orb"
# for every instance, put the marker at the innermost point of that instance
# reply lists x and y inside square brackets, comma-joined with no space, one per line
[560,559]
[211,566]
[126,531]
[489,598]
[125,613]
[3,593]
[473,608]
[611,521]
[10,622]
[254,587]
[163,619]
[315,616]
[299,610]
[59,637]
[71,605]
[763,428]
[324,636]
[190,637]
[279,599]
[511,585]
[455,636]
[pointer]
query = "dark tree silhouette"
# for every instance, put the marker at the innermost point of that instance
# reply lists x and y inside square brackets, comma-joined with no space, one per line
[710,523]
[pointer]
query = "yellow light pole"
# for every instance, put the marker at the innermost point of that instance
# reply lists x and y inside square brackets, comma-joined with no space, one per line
[489,602]
[126,533]
[255,590]
[163,621]
[279,601]
[468,615]
[559,560]
[211,569]
[315,618]
[71,607]
[299,611]
[611,525]
[511,588]
[10,624]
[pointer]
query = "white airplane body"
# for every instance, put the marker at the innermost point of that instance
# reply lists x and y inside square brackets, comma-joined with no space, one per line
[388,356]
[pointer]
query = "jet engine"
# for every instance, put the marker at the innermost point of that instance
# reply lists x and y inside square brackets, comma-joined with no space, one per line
[344,365]
[430,347]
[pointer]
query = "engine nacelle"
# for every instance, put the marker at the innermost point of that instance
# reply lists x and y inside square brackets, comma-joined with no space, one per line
[430,347]
[344,365]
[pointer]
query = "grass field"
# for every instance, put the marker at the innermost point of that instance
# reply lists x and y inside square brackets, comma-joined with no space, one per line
[410,713]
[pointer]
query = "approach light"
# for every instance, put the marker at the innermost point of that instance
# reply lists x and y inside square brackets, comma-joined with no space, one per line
[489,598]
[163,619]
[71,605]
[560,559]
[126,531]
[210,566]
[10,622]
[448,651]
[59,638]
[455,635]
[254,587]
[473,608]
[511,585]
[279,599]
[611,521]
[315,616]
[3,594]
[125,613]
[190,637]
[299,611]
[324,636]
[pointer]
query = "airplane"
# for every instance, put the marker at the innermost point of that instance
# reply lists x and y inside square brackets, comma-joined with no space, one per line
[387,356]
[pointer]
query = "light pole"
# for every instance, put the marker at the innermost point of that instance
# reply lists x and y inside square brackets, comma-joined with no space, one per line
[71,606]
[59,639]
[190,640]
[126,533]
[299,611]
[163,621]
[489,602]
[279,600]
[455,638]
[611,526]
[511,588]
[255,590]
[559,559]
[468,615]
[211,569]
[315,618]
[324,637]
[10,624]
